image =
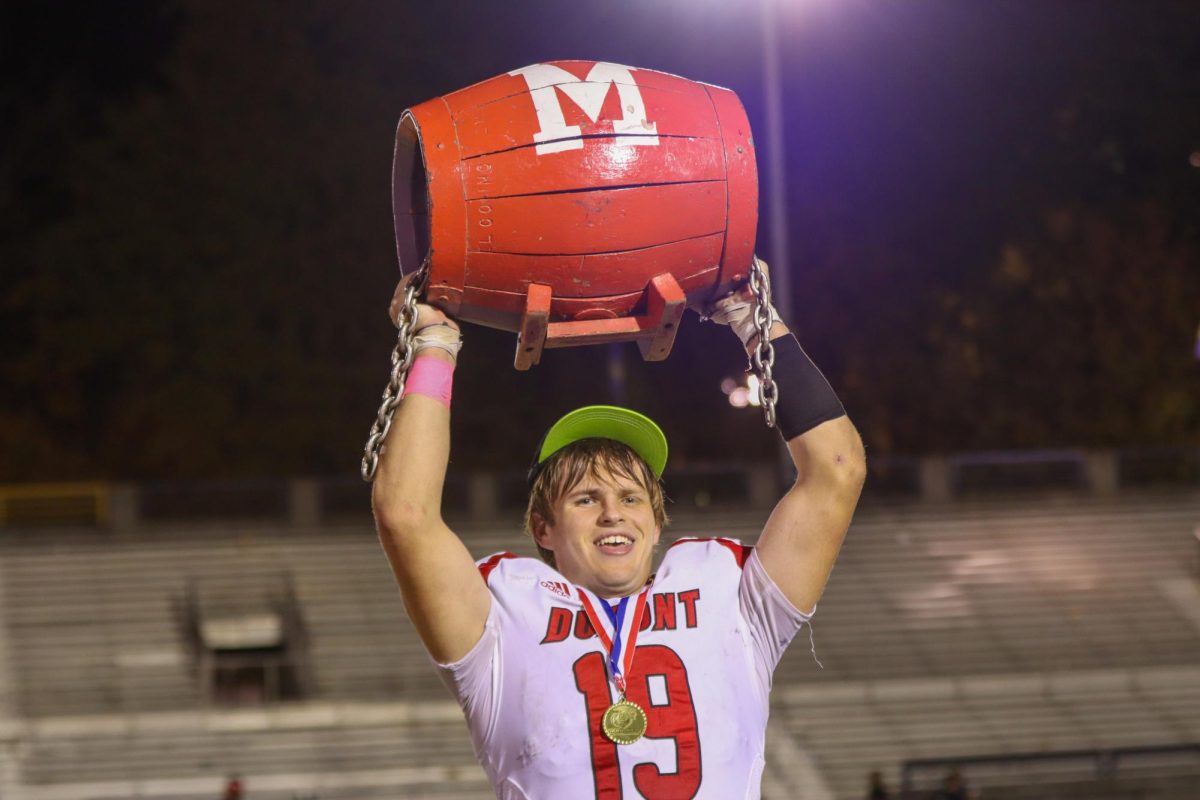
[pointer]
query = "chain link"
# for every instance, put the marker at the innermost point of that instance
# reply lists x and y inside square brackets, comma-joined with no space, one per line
[402,358]
[763,357]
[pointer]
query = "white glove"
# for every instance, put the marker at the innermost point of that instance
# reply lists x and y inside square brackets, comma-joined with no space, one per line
[736,310]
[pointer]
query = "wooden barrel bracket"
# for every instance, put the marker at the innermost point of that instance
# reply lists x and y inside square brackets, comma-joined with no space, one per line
[654,331]
[535,321]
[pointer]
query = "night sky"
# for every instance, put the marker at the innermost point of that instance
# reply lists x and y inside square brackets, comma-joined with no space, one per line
[993,217]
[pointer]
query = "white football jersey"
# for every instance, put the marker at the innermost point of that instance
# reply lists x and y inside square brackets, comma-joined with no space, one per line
[535,686]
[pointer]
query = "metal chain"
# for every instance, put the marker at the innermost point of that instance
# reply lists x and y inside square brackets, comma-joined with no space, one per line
[763,357]
[402,358]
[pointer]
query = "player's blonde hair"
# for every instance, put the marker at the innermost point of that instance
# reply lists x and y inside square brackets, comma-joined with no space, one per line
[588,458]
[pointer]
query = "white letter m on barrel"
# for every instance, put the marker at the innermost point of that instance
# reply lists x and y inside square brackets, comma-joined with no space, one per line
[556,135]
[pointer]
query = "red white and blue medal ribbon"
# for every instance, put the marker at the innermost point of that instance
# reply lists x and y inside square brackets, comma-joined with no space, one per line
[617,666]
[624,722]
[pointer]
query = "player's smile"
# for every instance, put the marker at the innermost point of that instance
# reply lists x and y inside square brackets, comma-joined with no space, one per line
[603,535]
[615,544]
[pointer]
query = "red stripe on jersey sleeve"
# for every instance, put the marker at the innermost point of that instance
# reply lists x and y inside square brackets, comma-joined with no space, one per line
[740,551]
[485,569]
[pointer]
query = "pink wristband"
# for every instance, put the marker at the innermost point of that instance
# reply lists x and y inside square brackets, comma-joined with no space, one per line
[431,377]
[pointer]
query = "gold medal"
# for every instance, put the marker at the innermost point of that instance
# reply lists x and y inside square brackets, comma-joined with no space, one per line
[624,722]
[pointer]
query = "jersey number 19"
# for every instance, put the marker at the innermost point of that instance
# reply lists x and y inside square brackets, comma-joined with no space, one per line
[673,719]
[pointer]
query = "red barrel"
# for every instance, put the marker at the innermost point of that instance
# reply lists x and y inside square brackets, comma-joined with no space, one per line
[577,202]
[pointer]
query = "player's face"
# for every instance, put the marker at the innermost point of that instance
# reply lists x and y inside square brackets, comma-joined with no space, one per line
[603,535]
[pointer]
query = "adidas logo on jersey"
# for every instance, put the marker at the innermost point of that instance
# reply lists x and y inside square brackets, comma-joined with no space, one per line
[558,587]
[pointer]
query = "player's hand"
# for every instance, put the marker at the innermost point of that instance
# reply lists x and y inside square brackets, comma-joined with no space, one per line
[427,315]
[435,332]
[736,310]
[718,310]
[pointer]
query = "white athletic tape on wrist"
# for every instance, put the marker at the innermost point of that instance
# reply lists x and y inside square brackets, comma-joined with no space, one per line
[440,336]
[738,313]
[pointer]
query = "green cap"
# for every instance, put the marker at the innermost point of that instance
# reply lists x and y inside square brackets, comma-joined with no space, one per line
[606,422]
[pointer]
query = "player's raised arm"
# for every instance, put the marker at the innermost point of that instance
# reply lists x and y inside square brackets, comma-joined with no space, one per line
[443,593]
[804,533]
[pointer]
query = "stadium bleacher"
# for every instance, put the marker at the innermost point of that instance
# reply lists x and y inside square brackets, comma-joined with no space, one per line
[948,631]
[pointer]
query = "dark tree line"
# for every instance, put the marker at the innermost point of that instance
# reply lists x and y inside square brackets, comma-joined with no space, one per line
[994,220]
